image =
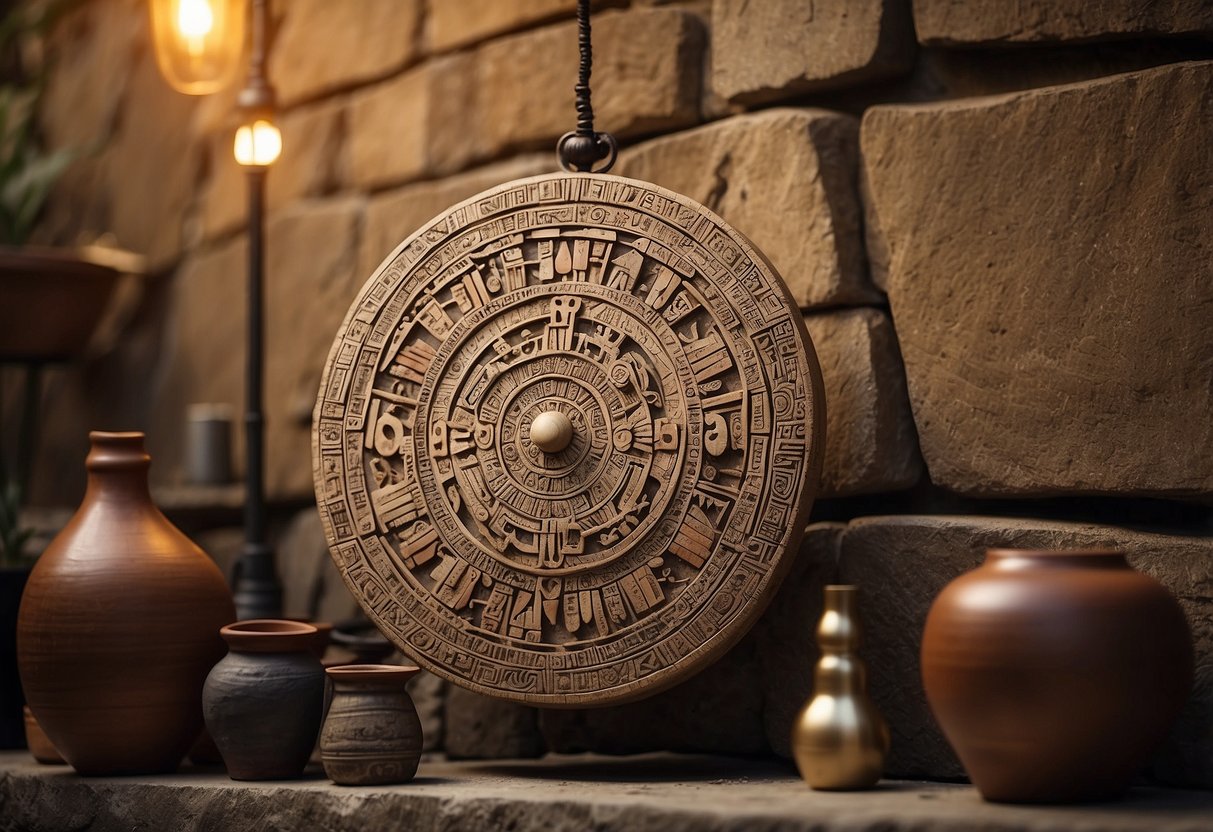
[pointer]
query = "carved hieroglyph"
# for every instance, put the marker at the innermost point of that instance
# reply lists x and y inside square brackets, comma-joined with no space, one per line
[566,438]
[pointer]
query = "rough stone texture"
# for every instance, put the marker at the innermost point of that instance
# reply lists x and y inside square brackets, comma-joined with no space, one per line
[658,793]
[903,563]
[480,728]
[452,23]
[786,179]
[719,710]
[311,585]
[994,22]
[310,279]
[871,445]
[647,78]
[780,48]
[389,129]
[786,634]
[394,215]
[322,46]
[1046,258]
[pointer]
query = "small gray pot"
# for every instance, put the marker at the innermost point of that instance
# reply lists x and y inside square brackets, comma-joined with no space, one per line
[372,735]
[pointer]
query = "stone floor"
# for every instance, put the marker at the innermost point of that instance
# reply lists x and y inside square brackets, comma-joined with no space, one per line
[669,793]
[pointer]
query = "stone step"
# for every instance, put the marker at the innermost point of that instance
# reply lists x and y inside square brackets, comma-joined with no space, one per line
[659,792]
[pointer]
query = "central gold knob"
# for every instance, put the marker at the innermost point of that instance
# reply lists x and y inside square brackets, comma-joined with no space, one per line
[551,431]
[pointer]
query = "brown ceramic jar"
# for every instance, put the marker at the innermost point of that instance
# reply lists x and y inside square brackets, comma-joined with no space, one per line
[1055,674]
[372,734]
[119,624]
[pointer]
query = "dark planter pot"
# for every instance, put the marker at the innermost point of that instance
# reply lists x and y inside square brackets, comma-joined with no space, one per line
[12,721]
[1054,675]
[263,701]
[33,279]
[372,734]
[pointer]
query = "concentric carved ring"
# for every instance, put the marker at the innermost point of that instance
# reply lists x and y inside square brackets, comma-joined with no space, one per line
[565,439]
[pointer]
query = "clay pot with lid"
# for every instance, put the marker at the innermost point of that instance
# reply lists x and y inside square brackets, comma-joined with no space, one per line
[119,624]
[372,734]
[1055,674]
[263,701]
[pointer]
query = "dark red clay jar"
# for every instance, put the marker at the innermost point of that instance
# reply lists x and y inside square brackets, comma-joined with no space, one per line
[119,625]
[1055,674]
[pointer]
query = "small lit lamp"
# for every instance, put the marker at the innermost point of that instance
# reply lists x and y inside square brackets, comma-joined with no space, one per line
[198,45]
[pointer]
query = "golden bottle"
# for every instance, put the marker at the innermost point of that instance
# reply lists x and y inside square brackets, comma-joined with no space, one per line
[839,738]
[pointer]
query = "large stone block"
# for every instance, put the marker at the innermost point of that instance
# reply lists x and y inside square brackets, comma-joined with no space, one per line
[389,129]
[452,23]
[786,179]
[993,22]
[394,215]
[781,48]
[322,46]
[1046,260]
[871,444]
[903,562]
[647,78]
[481,728]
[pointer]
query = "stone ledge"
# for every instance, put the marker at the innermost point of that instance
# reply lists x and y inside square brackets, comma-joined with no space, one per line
[652,792]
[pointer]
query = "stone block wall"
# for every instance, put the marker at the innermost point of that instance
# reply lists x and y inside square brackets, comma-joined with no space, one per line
[996,218]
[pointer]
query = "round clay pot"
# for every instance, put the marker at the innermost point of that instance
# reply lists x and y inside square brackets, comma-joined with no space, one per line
[263,701]
[372,734]
[1055,674]
[119,625]
[42,749]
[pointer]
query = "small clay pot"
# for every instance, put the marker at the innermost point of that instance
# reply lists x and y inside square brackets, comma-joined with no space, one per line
[324,633]
[1055,674]
[262,702]
[372,734]
[40,746]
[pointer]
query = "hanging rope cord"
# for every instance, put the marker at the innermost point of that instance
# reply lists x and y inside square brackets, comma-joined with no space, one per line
[581,149]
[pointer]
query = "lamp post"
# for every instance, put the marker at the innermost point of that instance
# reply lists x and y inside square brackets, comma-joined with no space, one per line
[194,48]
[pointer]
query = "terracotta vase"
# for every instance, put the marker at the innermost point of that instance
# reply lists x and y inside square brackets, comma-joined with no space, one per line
[118,624]
[372,734]
[1055,674]
[42,749]
[263,701]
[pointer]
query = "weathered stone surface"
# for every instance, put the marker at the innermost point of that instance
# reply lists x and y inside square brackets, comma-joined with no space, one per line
[871,444]
[786,179]
[389,129]
[647,77]
[480,728]
[394,215]
[1046,259]
[991,22]
[786,634]
[780,48]
[657,793]
[322,46]
[310,278]
[451,23]
[903,562]
[719,710]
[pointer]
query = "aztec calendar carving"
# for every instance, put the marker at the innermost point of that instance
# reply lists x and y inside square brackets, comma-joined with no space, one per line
[566,439]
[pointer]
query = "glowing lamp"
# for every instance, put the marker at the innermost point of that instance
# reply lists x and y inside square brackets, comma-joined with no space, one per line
[198,42]
[258,144]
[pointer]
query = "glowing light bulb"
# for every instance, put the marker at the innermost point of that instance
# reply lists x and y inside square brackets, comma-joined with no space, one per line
[195,19]
[258,144]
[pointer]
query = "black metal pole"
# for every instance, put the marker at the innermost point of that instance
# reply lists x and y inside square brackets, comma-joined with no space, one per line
[258,592]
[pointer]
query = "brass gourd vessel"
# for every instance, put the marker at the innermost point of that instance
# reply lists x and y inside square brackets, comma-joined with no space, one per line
[839,739]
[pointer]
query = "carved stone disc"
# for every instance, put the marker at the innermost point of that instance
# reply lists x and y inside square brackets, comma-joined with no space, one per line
[566,440]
